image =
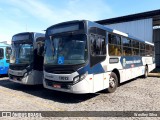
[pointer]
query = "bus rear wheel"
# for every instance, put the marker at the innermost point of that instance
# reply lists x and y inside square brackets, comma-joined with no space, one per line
[145,72]
[113,83]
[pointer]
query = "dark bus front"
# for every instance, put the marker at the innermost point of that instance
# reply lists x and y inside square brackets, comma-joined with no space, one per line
[22,60]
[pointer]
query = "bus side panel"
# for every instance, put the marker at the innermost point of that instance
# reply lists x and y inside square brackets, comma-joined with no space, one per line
[148,61]
[151,67]
[98,82]
[2,67]
[137,71]
[122,75]
[3,63]
[106,77]
[3,70]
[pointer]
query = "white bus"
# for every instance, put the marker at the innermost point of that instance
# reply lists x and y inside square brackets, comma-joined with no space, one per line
[86,57]
[26,66]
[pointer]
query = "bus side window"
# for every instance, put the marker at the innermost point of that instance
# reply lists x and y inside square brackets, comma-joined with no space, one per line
[93,44]
[98,46]
[127,50]
[142,49]
[148,50]
[135,48]
[1,53]
[114,42]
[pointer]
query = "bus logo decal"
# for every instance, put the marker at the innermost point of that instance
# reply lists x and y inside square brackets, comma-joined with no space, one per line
[61,60]
[63,78]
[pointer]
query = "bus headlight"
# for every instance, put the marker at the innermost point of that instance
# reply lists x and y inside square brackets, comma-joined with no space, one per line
[79,78]
[25,75]
[76,79]
[83,76]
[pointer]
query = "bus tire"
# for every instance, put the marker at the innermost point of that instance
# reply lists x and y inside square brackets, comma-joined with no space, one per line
[145,72]
[113,83]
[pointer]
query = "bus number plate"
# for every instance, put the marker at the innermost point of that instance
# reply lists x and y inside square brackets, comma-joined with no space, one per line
[56,86]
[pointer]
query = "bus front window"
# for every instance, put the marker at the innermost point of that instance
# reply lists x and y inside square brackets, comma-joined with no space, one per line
[22,53]
[66,50]
[8,52]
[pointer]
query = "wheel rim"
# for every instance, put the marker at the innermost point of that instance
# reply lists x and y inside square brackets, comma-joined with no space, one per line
[112,82]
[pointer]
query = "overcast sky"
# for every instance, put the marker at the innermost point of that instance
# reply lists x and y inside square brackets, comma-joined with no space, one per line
[36,15]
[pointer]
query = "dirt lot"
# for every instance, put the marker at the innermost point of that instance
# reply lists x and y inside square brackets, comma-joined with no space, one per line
[136,95]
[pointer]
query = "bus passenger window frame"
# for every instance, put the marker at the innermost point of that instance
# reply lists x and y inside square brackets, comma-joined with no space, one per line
[97,34]
[142,49]
[2,53]
[148,50]
[100,48]
[115,48]
[127,47]
[135,47]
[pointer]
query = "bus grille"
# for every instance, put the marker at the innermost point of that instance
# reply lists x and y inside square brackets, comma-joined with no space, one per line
[17,77]
[60,71]
[17,67]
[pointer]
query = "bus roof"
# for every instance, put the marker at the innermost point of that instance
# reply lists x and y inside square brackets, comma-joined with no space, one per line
[103,27]
[64,23]
[26,33]
[2,44]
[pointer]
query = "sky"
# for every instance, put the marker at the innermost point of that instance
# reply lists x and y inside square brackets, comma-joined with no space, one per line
[18,16]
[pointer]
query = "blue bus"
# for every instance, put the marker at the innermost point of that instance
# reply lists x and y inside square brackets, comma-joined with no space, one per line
[86,57]
[5,51]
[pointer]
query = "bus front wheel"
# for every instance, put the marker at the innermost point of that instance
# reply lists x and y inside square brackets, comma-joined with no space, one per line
[113,83]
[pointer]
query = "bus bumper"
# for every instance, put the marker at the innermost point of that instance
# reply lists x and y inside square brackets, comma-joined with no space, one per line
[81,87]
[33,77]
[27,80]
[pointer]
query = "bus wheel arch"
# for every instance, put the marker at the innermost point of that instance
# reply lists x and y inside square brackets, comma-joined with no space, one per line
[118,75]
[113,81]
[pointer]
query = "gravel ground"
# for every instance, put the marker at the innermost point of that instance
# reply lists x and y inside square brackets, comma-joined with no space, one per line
[136,95]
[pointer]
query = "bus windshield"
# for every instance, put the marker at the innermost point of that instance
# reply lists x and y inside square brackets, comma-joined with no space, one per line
[66,50]
[21,53]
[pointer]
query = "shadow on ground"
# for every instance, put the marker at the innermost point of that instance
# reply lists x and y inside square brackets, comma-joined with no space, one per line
[2,76]
[41,92]
[120,85]
[57,96]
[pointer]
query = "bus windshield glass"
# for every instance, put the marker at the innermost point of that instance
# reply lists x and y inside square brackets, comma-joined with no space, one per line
[21,53]
[66,50]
